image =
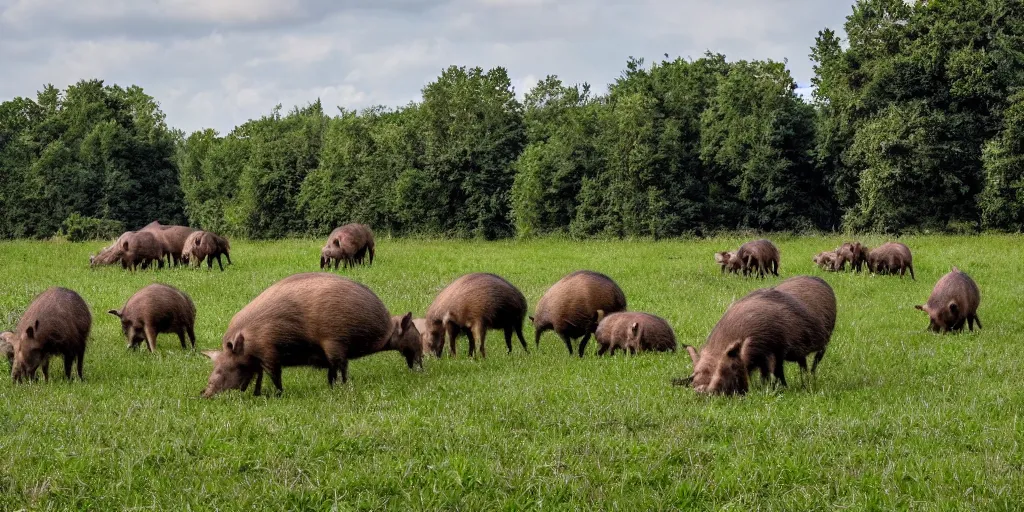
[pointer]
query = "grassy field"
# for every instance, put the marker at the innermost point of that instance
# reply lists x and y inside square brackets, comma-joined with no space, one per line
[898,418]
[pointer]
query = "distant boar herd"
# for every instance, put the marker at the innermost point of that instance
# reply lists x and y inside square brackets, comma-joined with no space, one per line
[155,243]
[323,320]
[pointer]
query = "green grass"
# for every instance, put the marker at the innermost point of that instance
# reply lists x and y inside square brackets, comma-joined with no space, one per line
[898,418]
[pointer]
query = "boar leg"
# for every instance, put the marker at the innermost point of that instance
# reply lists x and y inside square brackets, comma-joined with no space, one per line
[977,320]
[779,370]
[344,370]
[221,263]
[228,256]
[181,338]
[601,351]
[583,343]
[69,359]
[46,370]
[817,359]
[258,387]
[453,334]
[479,333]
[508,339]
[568,342]
[191,335]
[150,337]
[275,377]
[522,340]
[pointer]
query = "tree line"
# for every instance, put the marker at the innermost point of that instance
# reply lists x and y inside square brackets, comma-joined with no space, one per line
[915,124]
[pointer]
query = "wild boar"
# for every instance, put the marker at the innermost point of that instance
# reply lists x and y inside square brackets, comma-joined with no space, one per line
[157,308]
[141,248]
[891,258]
[57,322]
[570,307]
[820,301]
[204,245]
[330,254]
[953,301]
[729,262]
[760,256]
[472,304]
[352,242]
[425,340]
[754,333]
[854,253]
[634,332]
[172,239]
[310,319]
[826,260]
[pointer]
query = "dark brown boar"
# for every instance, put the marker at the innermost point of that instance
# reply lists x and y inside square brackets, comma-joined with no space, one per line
[891,258]
[172,239]
[352,242]
[760,256]
[820,301]
[141,248]
[56,323]
[634,332]
[854,253]
[310,319]
[204,245]
[953,302]
[157,308]
[570,307]
[472,304]
[728,261]
[754,333]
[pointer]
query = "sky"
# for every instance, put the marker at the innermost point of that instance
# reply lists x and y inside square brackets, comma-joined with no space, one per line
[217,63]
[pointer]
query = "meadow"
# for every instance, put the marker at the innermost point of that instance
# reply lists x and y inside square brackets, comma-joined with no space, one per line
[897,417]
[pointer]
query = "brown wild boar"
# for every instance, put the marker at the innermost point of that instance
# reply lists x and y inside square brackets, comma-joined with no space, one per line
[854,253]
[754,333]
[310,319]
[157,308]
[352,242]
[330,253]
[570,307]
[760,256]
[204,245]
[472,304]
[826,260]
[891,258]
[953,301]
[820,301]
[729,262]
[141,248]
[111,254]
[171,238]
[634,332]
[56,323]
[421,327]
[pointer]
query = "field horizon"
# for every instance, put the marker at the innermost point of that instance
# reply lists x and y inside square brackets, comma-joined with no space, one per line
[896,418]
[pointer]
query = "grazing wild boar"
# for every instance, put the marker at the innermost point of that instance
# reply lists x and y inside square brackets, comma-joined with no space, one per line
[111,254]
[310,319]
[827,260]
[172,239]
[157,308]
[754,333]
[891,258]
[472,304]
[760,256]
[141,248]
[634,332]
[729,262]
[953,301]
[425,340]
[854,253]
[56,323]
[820,301]
[570,307]
[204,245]
[351,243]
[330,253]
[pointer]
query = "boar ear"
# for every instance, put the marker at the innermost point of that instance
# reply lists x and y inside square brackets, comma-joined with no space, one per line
[115,313]
[733,352]
[236,345]
[919,307]
[955,269]
[634,328]
[600,315]
[531,319]
[31,330]
[446,318]
[212,354]
[406,322]
[693,354]
[953,308]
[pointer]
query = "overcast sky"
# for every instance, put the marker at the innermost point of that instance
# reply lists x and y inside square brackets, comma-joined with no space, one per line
[217,63]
